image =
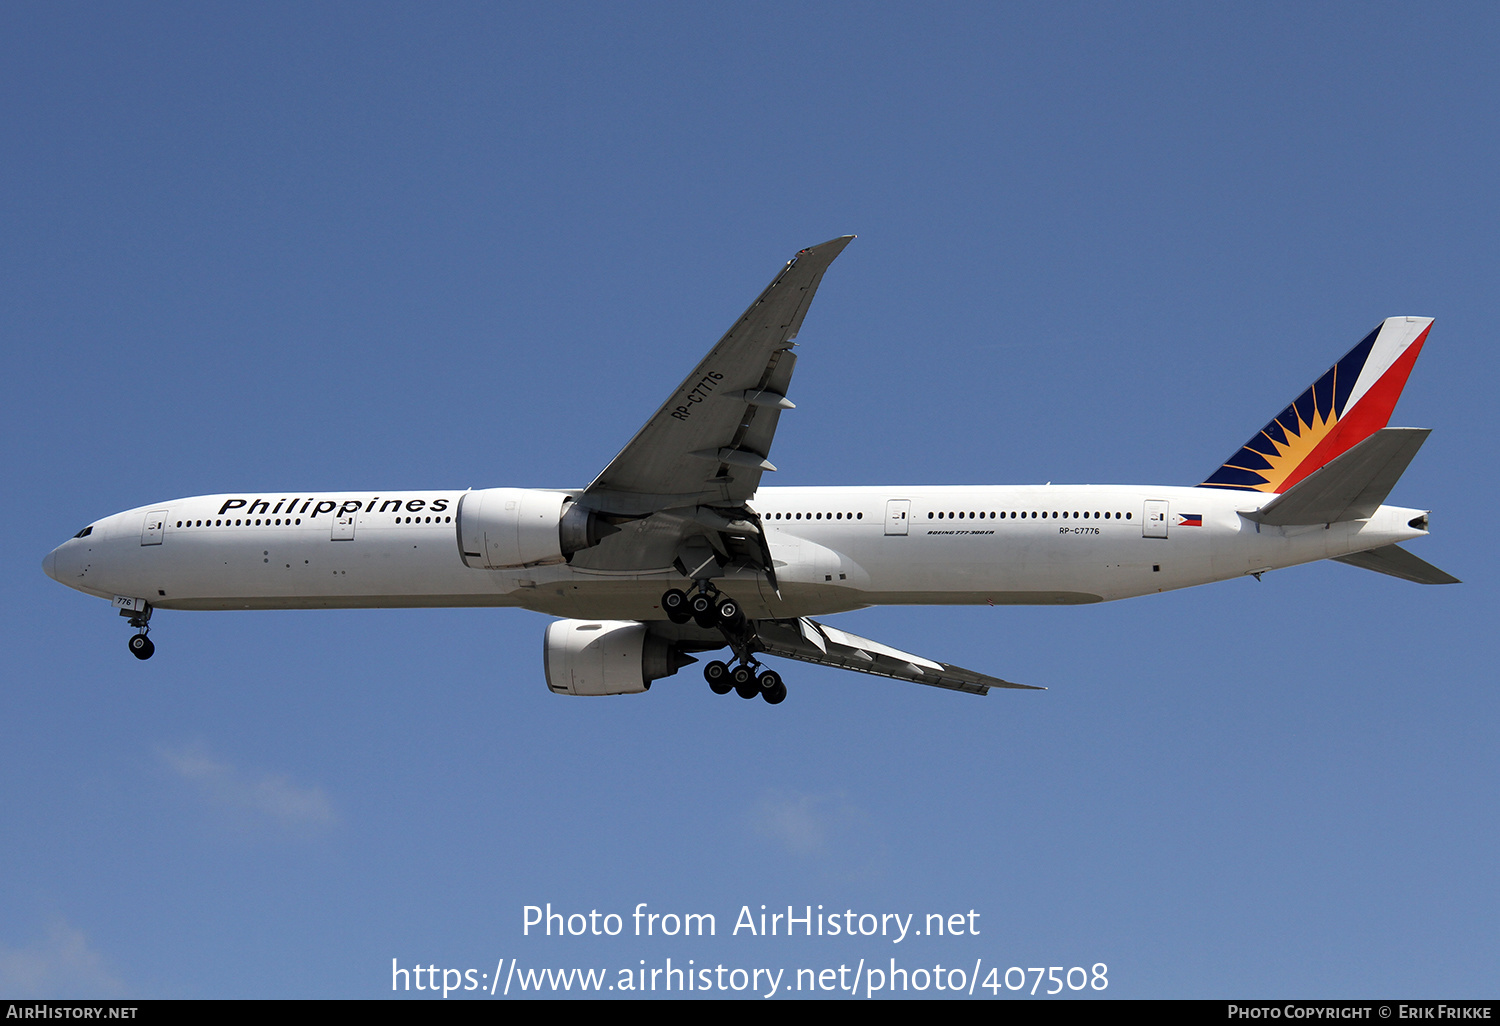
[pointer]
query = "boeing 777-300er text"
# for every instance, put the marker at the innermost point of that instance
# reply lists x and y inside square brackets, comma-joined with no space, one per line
[675,548]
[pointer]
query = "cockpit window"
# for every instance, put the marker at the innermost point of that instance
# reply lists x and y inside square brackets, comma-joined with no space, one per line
[85,532]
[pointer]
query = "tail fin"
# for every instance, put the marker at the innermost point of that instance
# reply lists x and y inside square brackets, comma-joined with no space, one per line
[1337,412]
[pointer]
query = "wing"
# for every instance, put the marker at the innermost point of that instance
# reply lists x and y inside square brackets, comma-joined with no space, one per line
[708,443]
[814,642]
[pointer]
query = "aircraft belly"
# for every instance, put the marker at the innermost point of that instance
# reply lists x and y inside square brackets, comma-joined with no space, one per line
[639,598]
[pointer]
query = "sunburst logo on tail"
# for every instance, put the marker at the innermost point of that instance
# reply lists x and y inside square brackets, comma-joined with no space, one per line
[1352,401]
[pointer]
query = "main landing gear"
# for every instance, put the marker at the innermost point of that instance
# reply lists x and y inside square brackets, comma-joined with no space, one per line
[705,606]
[140,645]
[710,609]
[745,682]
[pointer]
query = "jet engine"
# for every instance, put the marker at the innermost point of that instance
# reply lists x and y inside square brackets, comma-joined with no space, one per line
[607,657]
[502,528]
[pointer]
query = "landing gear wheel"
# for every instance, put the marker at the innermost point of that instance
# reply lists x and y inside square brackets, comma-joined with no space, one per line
[717,675]
[776,695]
[674,603]
[768,681]
[728,612]
[141,647]
[744,682]
[701,608]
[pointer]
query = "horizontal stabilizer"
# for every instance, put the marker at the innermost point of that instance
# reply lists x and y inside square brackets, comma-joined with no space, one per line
[812,642]
[1351,487]
[1396,561]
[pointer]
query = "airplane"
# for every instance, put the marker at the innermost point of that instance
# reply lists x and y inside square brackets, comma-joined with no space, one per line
[675,549]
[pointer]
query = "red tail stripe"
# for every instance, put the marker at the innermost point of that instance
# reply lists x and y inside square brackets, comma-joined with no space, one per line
[1371,413]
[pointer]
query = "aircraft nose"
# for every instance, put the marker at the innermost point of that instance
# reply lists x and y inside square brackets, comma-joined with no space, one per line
[50,564]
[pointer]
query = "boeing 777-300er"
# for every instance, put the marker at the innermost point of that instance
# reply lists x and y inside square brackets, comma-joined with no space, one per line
[675,548]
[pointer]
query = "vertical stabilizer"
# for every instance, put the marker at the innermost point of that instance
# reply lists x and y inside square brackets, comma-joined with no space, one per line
[1341,409]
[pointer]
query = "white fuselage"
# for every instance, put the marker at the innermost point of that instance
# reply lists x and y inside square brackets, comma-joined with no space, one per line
[834,549]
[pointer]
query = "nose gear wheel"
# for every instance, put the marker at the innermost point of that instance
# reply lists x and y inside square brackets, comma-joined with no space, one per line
[140,646]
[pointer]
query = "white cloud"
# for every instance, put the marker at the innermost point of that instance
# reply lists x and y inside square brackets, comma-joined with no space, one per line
[826,828]
[60,966]
[799,822]
[265,798]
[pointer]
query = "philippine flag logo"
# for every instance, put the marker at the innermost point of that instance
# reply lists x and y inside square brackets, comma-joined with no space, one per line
[1191,520]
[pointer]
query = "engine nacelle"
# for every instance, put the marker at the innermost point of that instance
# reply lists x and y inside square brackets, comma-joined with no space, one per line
[606,657]
[503,528]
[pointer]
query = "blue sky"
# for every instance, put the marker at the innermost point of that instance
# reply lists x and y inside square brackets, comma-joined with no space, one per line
[407,246]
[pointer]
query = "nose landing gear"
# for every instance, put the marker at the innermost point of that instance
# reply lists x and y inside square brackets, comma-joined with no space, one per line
[140,645]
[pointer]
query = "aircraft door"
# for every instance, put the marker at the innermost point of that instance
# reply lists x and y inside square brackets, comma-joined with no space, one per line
[897,515]
[343,526]
[1155,522]
[154,527]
